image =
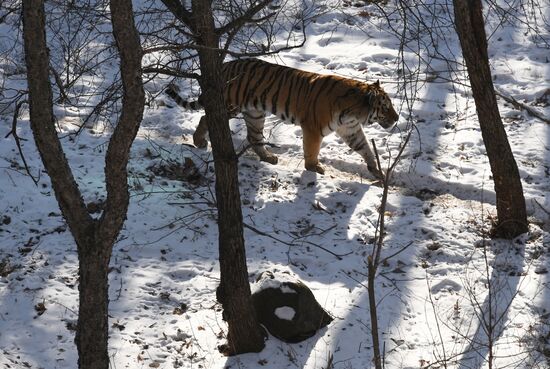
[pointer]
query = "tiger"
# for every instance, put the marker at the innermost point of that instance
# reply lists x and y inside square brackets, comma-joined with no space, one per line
[319,103]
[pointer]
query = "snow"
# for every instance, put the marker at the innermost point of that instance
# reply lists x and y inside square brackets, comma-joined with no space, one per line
[275,279]
[433,294]
[285,313]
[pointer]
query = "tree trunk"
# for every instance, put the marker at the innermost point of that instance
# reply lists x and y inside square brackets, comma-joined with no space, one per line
[94,238]
[511,211]
[245,334]
[92,333]
[42,120]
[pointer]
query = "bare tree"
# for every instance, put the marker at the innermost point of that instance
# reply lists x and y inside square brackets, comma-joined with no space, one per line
[511,211]
[245,28]
[374,260]
[425,30]
[94,237]
[210,31]
[245,334]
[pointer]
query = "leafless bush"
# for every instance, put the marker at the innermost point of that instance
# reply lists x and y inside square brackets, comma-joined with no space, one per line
[82,59]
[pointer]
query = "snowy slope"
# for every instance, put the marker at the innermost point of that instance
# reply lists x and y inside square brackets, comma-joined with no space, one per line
[432,293]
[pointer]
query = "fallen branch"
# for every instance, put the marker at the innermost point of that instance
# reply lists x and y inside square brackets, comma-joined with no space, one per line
[521,107]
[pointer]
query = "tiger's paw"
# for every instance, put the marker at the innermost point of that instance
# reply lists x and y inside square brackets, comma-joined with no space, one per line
[315,168]
[377,173]
[271,159]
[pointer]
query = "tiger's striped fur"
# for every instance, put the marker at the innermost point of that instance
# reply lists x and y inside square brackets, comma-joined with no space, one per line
[320,104]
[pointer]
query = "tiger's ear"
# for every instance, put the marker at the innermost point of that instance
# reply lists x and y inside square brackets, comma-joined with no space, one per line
[377,83]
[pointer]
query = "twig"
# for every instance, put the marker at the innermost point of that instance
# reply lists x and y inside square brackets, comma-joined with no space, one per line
[169,72]
[59,84]
[373,313]
[543,209]
[376,154]
[261,233]
[119,291]
[18,140]
[65,306]
[209,203]
[330,364]
[436,318]
[396,253]
[110,93]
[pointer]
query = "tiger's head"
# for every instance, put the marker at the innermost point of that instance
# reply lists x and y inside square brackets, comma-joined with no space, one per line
[382,110]
[370,104]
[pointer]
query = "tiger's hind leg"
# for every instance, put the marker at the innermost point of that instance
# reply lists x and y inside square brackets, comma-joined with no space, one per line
[199,137]
[312,146]
[255,135]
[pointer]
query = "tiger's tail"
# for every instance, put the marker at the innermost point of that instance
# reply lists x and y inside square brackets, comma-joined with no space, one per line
[191,105]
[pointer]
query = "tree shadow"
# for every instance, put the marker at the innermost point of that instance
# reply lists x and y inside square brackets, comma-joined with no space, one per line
[500,290]
[312,241]
[539,343]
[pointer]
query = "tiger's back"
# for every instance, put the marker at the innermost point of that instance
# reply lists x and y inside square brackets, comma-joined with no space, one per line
[256,85]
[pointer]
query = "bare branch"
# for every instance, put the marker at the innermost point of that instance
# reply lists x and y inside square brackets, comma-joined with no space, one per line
[520,106]
[59,84]
[182,14]
[18,140]
[236,24]
[170,72]
[290,244]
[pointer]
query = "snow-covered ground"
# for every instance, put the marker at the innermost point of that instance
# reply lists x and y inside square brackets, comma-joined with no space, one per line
[433,293]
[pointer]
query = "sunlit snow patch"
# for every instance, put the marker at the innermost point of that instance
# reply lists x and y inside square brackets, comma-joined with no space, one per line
[285,313]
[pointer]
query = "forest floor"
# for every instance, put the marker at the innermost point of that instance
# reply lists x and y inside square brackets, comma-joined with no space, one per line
[433,293]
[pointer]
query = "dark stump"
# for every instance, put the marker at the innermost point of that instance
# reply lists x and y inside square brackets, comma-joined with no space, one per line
[288,309]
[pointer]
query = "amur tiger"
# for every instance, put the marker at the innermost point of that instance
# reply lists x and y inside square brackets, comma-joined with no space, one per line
[319,103]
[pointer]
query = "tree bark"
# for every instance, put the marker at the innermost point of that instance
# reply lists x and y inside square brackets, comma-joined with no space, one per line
[245,334]
[133,102]
[42,120]
[94,238]
[92,331]
[511,210]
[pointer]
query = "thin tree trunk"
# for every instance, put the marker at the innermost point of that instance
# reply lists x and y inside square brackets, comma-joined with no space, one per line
[42,120]
[92,333]
[94,238]
[245,334]
[373,312]
[511,211]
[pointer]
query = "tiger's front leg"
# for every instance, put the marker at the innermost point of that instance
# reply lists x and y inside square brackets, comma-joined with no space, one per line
[354,137]
[255,135]
[199,137]
[312,145]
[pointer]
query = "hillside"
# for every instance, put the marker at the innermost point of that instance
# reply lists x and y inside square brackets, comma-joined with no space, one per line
[434,289]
